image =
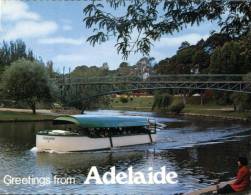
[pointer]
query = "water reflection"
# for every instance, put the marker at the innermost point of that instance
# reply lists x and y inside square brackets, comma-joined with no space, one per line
[199,151]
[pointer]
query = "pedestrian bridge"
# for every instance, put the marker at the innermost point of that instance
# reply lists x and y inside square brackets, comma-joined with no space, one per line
[111,85]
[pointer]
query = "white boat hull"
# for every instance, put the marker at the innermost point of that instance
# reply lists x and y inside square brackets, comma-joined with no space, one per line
[82,143]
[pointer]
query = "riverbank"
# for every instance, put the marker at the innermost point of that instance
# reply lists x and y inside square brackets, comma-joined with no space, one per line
[22,115]
[210,111]
[215,112]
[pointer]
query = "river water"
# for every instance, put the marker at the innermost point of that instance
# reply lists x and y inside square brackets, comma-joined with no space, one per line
[200,151]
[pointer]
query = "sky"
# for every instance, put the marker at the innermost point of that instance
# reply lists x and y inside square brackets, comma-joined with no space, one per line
[55,31]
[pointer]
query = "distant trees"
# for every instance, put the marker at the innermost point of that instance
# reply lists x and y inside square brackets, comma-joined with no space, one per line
[200,60]
[233,57]
[27,81]
[210,56]
[226,59]
[184,45]
[186,58]
[124,69]
[86,71]
[12,51]
[219,54]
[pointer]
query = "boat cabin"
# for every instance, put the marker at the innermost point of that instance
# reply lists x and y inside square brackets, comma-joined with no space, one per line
[97,126]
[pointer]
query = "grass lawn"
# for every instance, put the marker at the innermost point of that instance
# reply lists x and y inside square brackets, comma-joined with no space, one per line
[215,110]
[144,103]
[23,116]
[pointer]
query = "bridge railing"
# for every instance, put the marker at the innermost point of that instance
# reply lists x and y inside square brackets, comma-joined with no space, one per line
[157,78]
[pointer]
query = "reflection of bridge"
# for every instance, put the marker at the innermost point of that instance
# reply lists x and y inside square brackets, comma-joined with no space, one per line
[111,85]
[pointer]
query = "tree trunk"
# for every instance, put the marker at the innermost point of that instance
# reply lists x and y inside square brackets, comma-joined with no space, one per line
[201,98]
[184,98]
[235,107]
[33,107]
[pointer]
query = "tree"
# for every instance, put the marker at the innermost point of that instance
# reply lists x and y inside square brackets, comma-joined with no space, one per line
[124,69]
[201,59]
[226,59]
[49,66]
[184,45]
[162,101]
[123,65]
[240,101]
[150,20]
[167,66]
[245,44]
[12,51]
[181,63]
[176,107]
[85,71]
[214,41]
[27,81]
[87,99]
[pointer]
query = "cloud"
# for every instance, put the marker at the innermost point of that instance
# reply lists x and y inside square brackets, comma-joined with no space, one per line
[18,21]
[16,10]
[192,38]
[67,27]
[85,54]
[70,58]
[61,40]
[30,29]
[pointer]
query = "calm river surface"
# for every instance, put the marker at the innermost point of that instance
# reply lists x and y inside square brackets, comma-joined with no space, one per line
[199,151]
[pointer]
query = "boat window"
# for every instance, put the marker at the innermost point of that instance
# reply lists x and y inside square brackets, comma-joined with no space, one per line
[124,131]
[67,127]
[113,131]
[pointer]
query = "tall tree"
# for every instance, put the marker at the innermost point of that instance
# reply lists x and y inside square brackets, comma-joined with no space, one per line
[27,81]
[10,52]
[226,59]
[150,20]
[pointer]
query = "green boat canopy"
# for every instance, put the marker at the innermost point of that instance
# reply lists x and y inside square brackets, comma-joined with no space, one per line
[101,121]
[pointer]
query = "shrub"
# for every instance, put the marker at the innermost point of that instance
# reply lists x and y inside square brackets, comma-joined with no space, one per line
[162,101]
[123,99]
[176,107]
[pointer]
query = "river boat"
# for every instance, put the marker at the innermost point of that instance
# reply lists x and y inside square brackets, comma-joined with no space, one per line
[96,132]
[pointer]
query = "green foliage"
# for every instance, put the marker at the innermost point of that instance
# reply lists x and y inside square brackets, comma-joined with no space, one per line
[186,58]
[123,65]
[10,52]
[227,59]
[123,99]
[241,101]
[161,101]
[216,40]
[85,71]
[124,69]
[232,58]
[221,97]
[245,44]
[150,24]
[184,44]
[87,99]
[27,81]
[201,59]
[176,107]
